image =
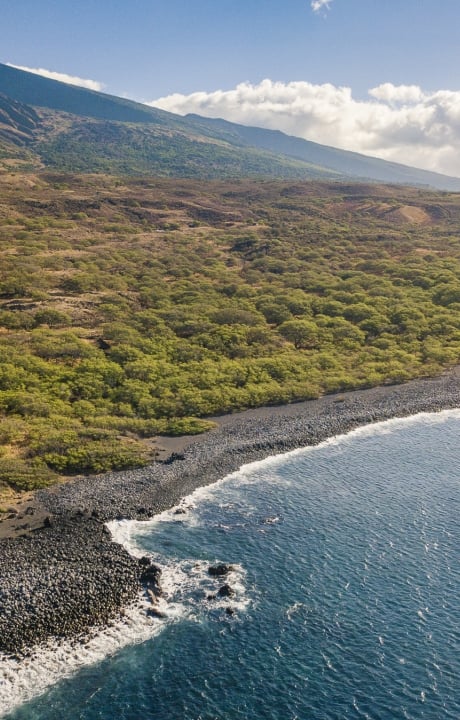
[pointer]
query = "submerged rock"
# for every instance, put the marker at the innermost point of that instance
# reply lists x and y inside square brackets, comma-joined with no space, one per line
[154,612]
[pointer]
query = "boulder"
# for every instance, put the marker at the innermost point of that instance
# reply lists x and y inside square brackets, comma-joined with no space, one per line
[226,591]
[154,612]
[150,575]
[220,570]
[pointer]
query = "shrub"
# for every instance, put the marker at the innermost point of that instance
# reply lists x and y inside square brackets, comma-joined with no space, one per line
[187,426]
[20,475]
[99,456]
[302,333]
[51,317]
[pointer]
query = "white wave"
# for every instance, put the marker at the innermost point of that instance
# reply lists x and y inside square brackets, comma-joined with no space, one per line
[125,532]
[293,609]
[186,584]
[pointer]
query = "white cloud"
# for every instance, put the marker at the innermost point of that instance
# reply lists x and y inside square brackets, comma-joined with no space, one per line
[400,123]
[317,5]
[397,93]
[62,77]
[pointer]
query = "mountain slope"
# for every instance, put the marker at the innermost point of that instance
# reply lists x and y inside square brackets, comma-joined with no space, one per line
[341,161]
[35,90]
[71,143]
[17,121]
[93,141]
[72,128]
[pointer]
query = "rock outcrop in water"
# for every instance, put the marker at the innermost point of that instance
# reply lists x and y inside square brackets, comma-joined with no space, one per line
[226,591]
[220,570]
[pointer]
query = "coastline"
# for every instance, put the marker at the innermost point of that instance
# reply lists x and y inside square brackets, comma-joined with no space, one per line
[66,576]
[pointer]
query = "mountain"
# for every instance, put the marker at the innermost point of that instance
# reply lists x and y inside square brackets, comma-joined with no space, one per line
[346,163]
[48,123]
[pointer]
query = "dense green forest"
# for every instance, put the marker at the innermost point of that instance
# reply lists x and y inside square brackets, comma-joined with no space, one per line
[136,307]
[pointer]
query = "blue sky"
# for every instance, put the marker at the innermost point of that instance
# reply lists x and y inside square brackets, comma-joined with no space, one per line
[152,49]
[148,48]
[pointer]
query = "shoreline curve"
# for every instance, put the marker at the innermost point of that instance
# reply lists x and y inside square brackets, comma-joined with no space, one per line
[66,576]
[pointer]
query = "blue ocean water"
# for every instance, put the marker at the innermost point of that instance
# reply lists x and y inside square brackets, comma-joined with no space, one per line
[346,579]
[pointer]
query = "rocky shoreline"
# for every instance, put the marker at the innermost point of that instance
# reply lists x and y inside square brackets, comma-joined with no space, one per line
[66,576]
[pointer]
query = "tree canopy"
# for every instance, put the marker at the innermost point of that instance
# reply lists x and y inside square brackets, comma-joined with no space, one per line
[132,308]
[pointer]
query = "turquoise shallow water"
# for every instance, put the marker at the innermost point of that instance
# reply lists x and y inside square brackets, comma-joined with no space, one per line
[346,584]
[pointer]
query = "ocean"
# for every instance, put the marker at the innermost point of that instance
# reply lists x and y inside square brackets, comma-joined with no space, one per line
[342,601]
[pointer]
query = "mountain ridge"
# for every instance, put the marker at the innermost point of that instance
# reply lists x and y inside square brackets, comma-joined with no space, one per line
[71,128]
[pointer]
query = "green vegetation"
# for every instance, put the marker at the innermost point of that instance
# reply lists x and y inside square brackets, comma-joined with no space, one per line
[85,145]
[132,308]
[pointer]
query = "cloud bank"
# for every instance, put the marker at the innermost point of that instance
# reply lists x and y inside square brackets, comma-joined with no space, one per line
[62,77]
[401,123]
